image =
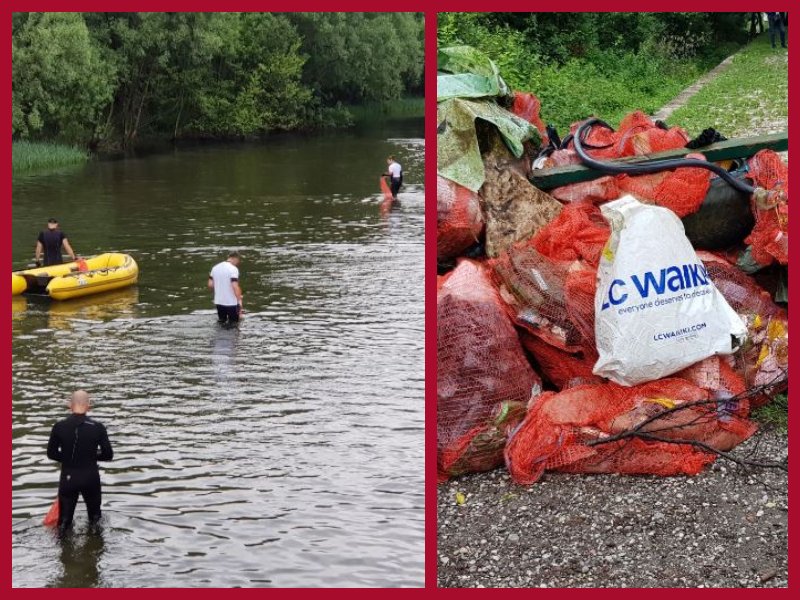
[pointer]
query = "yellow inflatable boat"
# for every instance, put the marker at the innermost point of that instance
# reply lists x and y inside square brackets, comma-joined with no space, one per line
[101,273]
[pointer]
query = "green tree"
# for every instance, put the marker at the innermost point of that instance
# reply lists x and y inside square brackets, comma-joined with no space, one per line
[361,57]
[256,84]
[60,82]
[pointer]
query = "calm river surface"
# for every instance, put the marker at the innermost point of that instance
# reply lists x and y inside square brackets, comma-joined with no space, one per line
[286,452]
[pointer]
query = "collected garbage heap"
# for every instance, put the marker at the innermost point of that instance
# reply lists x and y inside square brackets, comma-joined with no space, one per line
[620,325]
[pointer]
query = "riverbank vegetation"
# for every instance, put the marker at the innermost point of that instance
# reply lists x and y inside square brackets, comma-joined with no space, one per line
[603,64]
[390,109]
[108,79]
[33,156]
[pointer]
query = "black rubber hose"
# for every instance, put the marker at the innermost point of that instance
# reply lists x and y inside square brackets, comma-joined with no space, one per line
[655,166]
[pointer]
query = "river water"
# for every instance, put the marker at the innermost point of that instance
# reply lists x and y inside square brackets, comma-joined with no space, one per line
[286,452]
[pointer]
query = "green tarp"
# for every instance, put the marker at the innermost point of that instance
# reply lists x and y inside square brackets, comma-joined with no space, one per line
[458,156]
[463,72]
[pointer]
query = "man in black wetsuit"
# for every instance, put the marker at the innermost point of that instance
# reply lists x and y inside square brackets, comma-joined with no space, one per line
[50,242]
[78,442]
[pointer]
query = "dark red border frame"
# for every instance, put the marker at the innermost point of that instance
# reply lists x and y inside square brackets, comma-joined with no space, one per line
[430,7]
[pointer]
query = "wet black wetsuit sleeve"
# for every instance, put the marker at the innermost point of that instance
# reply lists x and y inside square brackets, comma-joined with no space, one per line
[54,450]
[105,451]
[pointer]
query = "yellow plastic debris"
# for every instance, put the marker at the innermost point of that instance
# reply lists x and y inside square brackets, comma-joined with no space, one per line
[665,402]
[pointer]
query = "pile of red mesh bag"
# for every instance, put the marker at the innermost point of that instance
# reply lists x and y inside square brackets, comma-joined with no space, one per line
[516,345]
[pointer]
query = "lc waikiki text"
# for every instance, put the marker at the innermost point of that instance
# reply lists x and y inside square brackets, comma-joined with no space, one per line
[669,279]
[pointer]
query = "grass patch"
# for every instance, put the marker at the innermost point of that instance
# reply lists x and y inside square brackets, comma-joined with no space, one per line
[610,86]
[775,414]
[392,109]
[750,97]
[28,157]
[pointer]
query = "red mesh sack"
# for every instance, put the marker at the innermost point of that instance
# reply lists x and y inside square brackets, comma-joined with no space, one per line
[579,232]
[562,369]
[597,191]
[561,431]
[527,106]
[770,236]
[682,190]
[601,142]
[484,379]
[388,199]
[481,448]
[459,218]
[637,134]
[740,290]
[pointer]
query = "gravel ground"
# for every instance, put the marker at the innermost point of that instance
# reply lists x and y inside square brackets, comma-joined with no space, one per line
[721,528]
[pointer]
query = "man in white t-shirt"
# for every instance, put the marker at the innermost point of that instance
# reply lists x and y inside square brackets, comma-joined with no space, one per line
[224,280]
[395,175]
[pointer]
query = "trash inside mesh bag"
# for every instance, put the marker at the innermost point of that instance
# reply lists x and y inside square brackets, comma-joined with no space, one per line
[484,380]
[656,309]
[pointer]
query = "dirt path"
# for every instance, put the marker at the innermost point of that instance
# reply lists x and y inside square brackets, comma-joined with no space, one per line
[682,98]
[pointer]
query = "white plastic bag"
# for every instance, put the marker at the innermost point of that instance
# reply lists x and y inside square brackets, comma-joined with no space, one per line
[656,309]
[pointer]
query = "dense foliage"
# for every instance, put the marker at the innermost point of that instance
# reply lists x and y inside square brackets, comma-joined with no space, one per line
[605,64]
[113,77]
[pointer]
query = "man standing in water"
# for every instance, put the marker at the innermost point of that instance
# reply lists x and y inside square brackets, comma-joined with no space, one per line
[224,280]
[50,241]
[78,442]
[395,174]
